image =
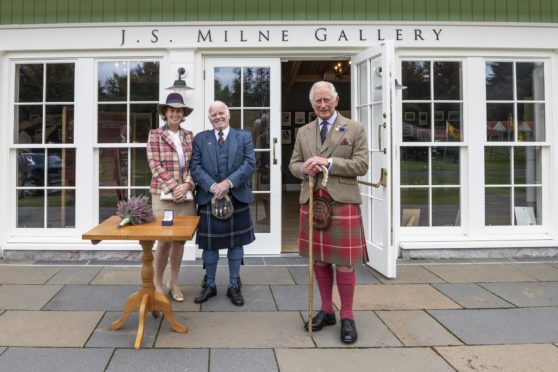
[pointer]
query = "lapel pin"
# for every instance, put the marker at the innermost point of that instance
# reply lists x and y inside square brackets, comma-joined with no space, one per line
[340,129]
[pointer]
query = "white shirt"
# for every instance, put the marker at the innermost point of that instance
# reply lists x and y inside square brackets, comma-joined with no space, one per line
[178,145]
[330,121]
[225,133]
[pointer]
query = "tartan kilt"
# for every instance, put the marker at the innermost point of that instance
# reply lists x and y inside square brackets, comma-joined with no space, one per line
[343,242]
[214,234]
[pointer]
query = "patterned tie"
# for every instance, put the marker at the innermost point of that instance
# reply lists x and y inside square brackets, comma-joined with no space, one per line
[323,131]
[221,140]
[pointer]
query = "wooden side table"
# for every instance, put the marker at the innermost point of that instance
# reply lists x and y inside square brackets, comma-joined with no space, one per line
[146,299]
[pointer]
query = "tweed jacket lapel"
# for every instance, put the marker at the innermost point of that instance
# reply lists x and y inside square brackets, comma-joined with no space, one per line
[337,132]
[233,145]
[166,136]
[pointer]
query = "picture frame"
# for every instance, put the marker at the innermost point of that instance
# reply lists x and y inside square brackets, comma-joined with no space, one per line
[286,119]
[409,116]
[346,113]
[311,116]
[286,138]
[300,117]
[454,116]
[438,115]
[423,118]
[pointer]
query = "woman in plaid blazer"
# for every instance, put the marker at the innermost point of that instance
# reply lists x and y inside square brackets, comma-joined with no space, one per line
[169,150]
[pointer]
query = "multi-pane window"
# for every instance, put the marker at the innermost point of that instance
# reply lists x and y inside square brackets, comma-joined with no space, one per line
[44,143]
[245,90]
[515,122]
[127,97]
[432,134]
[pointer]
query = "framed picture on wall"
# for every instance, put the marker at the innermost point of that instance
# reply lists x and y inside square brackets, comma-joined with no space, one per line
[296,132]
[286,137]
[409,116]
[423,118]
[346,113]
[300,117]
[286,119]
[311,116]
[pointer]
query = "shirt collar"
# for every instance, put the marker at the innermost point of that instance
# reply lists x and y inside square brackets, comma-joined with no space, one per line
[330,121]
[225,133]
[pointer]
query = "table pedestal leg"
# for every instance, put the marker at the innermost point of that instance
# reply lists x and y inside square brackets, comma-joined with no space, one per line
[147,300]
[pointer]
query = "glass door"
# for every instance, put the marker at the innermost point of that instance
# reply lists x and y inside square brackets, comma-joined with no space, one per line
[372,89]
[251,88]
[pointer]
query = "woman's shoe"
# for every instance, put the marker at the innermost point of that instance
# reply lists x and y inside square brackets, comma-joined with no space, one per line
[177,296]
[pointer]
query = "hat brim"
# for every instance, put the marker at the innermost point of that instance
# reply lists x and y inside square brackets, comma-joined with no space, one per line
[162,107]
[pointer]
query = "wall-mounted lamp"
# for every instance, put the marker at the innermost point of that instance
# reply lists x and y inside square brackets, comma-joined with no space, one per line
[180,85]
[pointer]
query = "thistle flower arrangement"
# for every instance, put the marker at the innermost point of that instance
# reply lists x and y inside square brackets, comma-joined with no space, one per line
[134,211]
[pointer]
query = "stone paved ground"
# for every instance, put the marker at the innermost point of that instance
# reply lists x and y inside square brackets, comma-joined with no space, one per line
[465,315]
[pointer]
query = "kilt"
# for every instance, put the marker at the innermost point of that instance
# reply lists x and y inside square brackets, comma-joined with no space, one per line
[214,234]
[342,243]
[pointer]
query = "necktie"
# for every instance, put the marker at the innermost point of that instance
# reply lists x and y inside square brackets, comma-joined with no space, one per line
[221,140]
[323,131]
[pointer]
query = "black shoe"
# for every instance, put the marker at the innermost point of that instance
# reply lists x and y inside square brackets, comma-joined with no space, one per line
[235,296]
[206,293]
[348,331]
[321,320]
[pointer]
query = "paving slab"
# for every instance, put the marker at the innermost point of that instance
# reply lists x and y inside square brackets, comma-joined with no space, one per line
[118,276]
[250,275]
[526,294]
[75,275]
[364,275]
[371,333]
[417,328]
[287,261]
[539,271]
[10,274]
[507,358]
[397,297]
[2,349]
[472,296]
[190,292]
[256,298]
[236,330]
[295,297]
[254,261]
[245,360]
[381,360]
[91,297]
[51,359]
[47,328]
[156,360]
[501,326]
[126,335]
[411,274]
[474,273]
[26,297]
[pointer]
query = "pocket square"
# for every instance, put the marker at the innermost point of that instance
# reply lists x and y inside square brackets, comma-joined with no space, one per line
[346,142]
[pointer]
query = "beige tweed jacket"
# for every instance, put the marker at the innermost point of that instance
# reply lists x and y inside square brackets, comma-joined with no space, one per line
[346,143]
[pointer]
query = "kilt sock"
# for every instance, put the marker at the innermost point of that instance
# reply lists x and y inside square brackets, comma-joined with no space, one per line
[235,258]
[324,278]
[346,287]
[210,260]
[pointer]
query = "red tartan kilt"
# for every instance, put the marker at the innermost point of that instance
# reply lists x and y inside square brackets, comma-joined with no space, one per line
[342,243]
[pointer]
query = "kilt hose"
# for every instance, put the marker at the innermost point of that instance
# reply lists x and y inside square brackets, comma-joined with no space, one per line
[342,243]
[214,234]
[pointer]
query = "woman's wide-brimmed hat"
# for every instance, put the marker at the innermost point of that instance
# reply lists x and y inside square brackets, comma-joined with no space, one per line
[174,100]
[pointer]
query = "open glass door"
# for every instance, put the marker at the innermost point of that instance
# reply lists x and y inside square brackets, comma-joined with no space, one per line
[373,89]
[251,88]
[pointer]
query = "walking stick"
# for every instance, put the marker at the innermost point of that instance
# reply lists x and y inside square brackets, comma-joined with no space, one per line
[311,247]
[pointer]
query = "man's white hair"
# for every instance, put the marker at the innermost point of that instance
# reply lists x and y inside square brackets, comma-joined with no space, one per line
[216,103]
[323,84]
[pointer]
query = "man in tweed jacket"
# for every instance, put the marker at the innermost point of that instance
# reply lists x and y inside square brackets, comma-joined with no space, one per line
[340,145]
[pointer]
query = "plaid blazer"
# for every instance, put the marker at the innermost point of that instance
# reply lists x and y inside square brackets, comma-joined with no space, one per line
[163,159]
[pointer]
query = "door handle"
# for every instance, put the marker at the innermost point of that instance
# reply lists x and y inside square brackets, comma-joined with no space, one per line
[380,137]
[274,151]
[381,182]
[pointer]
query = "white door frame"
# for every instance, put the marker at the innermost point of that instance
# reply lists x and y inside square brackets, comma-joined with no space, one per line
[374,67]
[266,243]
